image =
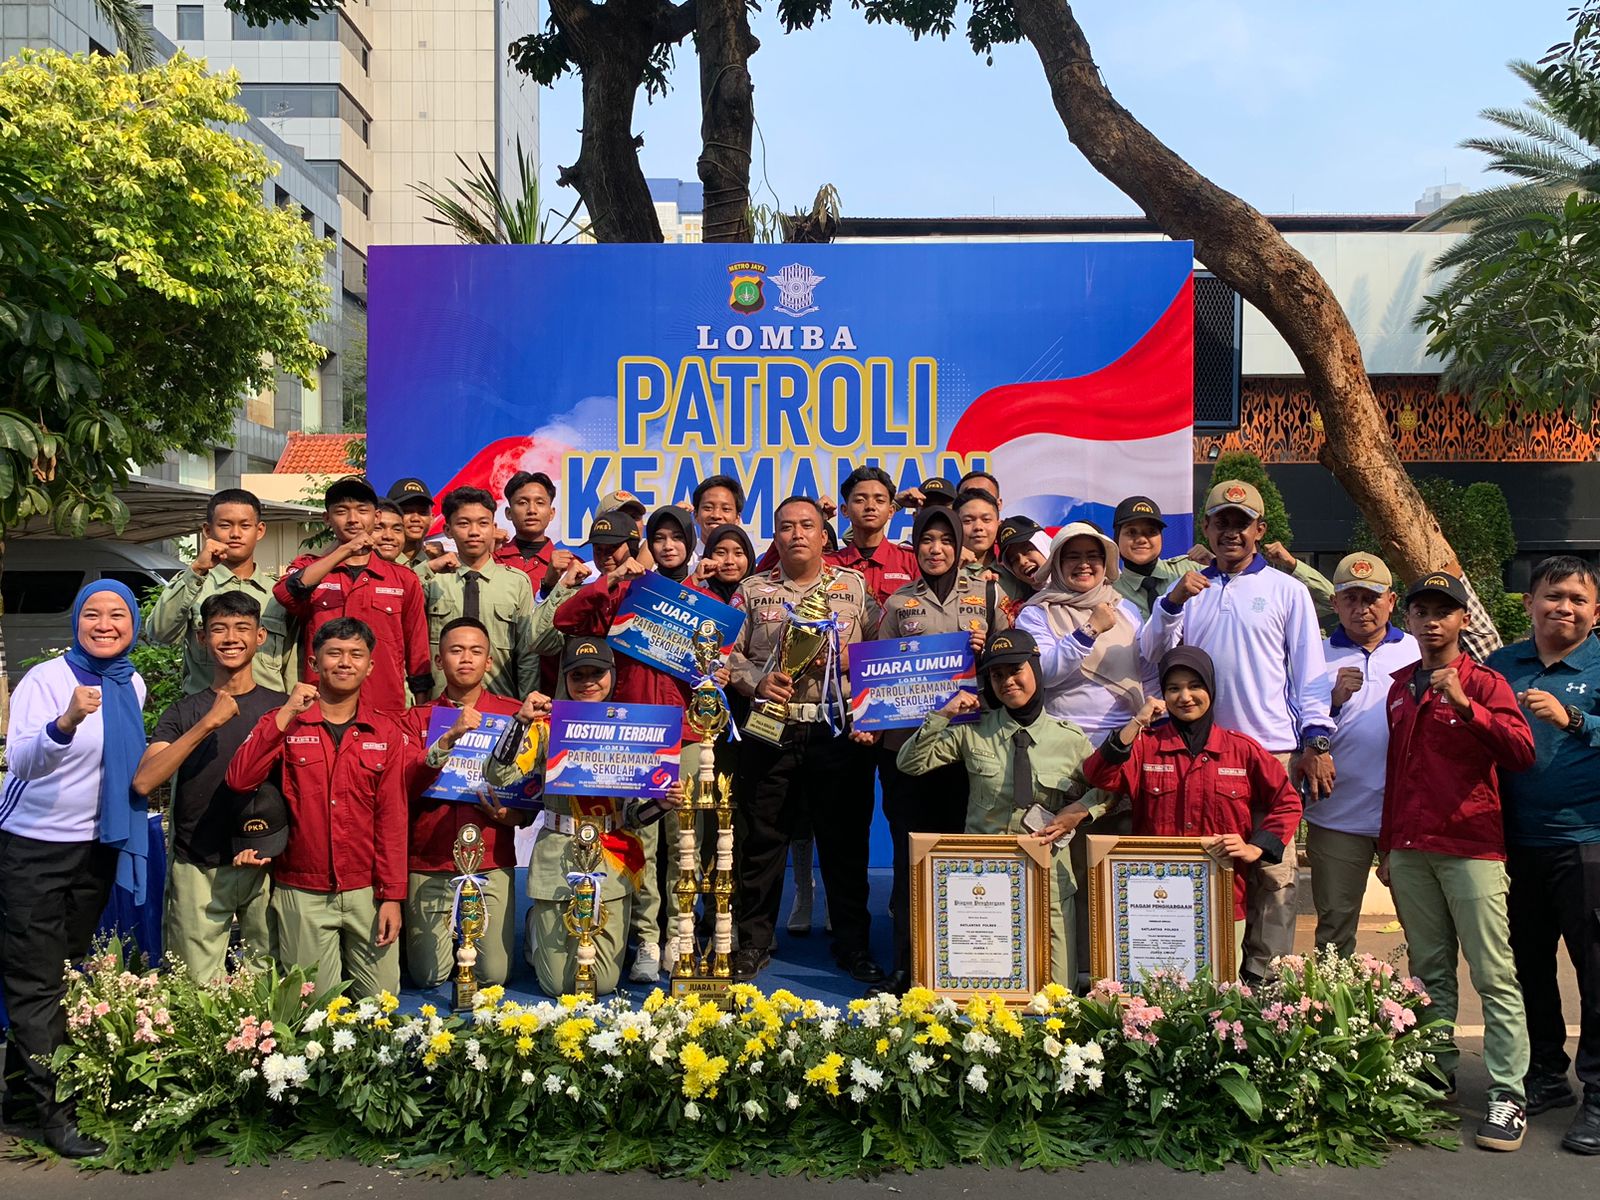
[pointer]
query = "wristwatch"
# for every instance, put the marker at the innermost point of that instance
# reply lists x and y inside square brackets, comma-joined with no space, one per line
[1574,720]
[1319,744]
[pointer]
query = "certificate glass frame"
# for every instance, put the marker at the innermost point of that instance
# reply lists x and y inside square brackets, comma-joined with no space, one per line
[1139,891]
[980,915]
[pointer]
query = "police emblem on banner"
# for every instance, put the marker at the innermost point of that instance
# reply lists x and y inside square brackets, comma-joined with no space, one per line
[745,293]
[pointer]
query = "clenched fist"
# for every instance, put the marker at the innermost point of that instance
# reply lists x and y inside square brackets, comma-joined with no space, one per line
[1187,588]
[85,701]
[302,698]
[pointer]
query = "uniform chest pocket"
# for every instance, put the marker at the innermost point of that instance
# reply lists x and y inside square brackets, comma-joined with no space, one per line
[507,613]
[383,604]
[325,598]
[984,763]
[1232,787]
[277,628]
[1445,714]
[1158,779]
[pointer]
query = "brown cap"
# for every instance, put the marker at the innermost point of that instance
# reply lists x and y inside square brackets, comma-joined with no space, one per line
[623,502]
[1362,570]
[1235,493]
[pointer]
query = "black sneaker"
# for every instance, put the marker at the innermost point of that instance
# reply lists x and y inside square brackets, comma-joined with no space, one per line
[860,965]
[1503,1127]
[1546,1090]
[1584,1135]
[750,961]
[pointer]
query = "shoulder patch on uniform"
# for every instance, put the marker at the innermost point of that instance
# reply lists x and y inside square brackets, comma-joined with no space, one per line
[911,602]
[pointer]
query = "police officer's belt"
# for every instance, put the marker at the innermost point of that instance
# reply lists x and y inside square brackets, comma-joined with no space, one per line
[561,823]
[807,714]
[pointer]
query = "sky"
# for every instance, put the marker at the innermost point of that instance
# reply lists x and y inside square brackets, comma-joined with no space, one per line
[1311,106]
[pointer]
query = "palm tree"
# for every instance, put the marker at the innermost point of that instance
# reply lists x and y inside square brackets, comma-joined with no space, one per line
[131,30]
[1551,148]
[482,214]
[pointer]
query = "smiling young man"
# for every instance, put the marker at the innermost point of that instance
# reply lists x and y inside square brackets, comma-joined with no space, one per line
[530,507]
[717,500]
[979,513]
[340,882]
[483,590]
[226,562]
[1454,728]
[196,739]
[1553,834]
[869,504]
[1260,628]
[414,503]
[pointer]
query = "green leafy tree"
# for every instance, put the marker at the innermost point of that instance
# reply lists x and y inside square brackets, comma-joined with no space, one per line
[1241,464]
[160,200]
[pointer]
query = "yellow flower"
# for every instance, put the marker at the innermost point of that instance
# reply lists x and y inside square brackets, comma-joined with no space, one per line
[977,1011]
[935,1033]
[1007,1021]
[753,1048]
[429,1059]
[631,1033]
[826,1074]
[881,1046]
[1056,994]
[429,1011]
[493,995]
[700,1071]
[918,998]
[785,1000]
[524,1045]
[571,1002]
[336,1008]
[859,1006]
[569,1036]
[381,1022]
[1054,1025]
[440,1042]
[388,1001]
[654,1001]
[527,1022]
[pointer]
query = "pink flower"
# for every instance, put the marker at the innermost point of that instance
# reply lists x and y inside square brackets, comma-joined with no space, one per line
[307,988]
[268,1046]
[1399,1017]
[102,1009]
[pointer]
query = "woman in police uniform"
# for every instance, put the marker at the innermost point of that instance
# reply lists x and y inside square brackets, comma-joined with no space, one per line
[588,669]
[1017,757]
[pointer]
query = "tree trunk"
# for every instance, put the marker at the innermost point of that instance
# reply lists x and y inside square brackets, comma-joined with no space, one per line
[1245,251]
[611,44]
[724,44]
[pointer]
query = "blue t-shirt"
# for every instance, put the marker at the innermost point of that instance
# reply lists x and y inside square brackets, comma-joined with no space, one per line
[1555,802]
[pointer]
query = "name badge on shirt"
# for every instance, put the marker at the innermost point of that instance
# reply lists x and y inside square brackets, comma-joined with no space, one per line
[1159,767]
[1232,771]
[389,591]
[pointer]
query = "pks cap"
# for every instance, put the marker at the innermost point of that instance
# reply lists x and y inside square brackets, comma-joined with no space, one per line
[610,528]
[938,490]
[587,652]
[1137,508]
[1011,646]
[1016,531]
[403,490]
[1235,493]
[263,823]
[623,502]
[1362,570]
[1440,583]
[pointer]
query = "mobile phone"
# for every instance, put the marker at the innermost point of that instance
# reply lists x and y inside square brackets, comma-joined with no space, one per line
[1037,818]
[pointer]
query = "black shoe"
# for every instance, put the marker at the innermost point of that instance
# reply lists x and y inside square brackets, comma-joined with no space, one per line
[897,984]
[750,961]
[1503,1127]
[1546,1090]
[1584,1136]
[68,1142]
[859,965]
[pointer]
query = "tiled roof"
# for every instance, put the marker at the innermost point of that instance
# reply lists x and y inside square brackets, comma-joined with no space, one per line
[317,454]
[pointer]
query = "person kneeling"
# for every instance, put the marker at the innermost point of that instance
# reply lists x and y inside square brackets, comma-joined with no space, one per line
[589,671]
[1019,759]
[1188,778]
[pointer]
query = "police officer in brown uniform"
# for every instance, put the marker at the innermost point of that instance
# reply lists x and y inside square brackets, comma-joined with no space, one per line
[815,768]
[942,599]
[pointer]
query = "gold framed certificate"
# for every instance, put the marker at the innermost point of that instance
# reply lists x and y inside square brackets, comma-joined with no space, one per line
[980,915]
[1159,903]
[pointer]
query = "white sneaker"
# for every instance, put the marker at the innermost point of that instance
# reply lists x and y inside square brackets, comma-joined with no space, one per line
[646,964]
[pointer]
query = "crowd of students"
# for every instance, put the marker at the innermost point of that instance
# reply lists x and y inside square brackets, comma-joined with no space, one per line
[1122,691]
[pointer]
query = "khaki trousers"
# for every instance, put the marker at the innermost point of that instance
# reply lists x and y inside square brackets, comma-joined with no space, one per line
[554,952]
[335,933]
[431,947]
[1341,865]
[201,906]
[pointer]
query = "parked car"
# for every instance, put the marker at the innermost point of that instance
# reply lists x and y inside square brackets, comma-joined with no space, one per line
[40,577]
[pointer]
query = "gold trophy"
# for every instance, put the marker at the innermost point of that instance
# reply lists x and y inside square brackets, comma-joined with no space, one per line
[798,648]
[586,912]
[706,972]
[472,915]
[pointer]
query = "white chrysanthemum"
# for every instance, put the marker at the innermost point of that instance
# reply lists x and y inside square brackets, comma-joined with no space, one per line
[659,1051]
[609,1071]
[1093,1077]
[791,1101]
[973,1042]
[366,1010]
[792,1038]
[785,1057]
[573,1092]
[552,1084]
[918,1062]
[478,1062]
[282,1072]
[527,1078]
[751,1109]
[827,1029]
[755,1066]
[1052,1046]
[872,1018]
[858,1093]
[1039,1005]
[314,1021]
[385,1056]
[343,1040]
[978,1079]
[313,1051]
[867,1076]
[247,1074]
[691,1111]
[609,1042]
[483,1015]
[896,1033]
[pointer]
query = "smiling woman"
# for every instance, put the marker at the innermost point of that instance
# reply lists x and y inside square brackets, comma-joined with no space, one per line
[70,824]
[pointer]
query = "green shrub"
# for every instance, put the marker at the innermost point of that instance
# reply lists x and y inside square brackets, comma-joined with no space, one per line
[1243,465]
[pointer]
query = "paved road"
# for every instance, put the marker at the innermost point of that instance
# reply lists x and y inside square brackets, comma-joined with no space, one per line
[1540,1169]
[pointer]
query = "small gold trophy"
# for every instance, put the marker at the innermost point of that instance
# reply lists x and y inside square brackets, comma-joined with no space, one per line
[799,646]
[472,915]
[586,912]
[706,972]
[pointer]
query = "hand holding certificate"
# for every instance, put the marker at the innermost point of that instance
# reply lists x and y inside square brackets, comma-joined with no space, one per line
[658,620]
[613,749]
[461,778]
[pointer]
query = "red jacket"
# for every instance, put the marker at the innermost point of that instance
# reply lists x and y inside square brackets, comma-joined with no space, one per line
[388,598]
[890,568]
[1442,791]
[590,612]
[534,566]
[347,806]
[435,823]
[1216,791]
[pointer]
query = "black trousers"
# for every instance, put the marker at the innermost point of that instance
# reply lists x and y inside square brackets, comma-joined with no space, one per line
[51,898]
[1555,896]
[931,803]
[816,777]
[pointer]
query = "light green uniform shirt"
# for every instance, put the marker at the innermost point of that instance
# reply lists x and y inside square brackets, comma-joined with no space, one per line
[176,618]
[1169,570]
[505,606]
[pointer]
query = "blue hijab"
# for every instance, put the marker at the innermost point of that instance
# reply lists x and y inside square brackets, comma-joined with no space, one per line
[124,822]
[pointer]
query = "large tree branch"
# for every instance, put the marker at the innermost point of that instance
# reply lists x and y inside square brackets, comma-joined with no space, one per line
[1245,251]
[724,44]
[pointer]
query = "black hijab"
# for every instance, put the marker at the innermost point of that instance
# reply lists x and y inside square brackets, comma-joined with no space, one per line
[1195,734]
[722,590]
[684,520]
[941,585]
[1029,712]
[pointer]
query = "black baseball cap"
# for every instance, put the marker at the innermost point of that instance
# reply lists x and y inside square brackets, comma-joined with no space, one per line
[1137,508]
[1011,646]
[938,490]
[587,652]
[610,528]
[263,823]
[1440,583]
[410,488]
[1016,531]
[350,487]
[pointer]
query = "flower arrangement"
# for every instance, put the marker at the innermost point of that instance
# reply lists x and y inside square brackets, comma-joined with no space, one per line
[1328,1063]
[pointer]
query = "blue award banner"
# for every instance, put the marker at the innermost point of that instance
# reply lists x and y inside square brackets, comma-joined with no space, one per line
[896,682]
[462,776]
[657,620]
[613,749]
